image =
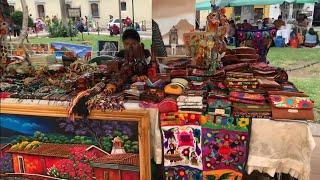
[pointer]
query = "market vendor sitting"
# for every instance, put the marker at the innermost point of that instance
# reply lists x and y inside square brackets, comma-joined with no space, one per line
[131,38]
[311,38]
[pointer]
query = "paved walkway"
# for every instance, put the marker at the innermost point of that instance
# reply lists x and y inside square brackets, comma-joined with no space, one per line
[143,34]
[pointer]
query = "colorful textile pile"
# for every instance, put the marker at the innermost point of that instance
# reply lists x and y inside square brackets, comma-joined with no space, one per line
[241,80]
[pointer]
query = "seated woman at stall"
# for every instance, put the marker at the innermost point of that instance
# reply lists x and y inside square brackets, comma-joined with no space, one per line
[311,38]
[131,38]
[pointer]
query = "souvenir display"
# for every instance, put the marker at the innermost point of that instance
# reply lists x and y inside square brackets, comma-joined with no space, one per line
[205,101]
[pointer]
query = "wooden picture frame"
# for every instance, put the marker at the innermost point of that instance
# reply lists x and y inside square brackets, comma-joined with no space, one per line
[141,117]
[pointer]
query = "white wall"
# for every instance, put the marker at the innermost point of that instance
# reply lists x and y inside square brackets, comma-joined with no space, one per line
[274,11]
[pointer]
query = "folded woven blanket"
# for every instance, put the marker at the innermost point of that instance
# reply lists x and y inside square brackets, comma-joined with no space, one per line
[247,96]
[190,99]
[190,104]
[246,101]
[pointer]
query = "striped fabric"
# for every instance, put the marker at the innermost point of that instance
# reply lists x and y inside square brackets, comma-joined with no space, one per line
[157,41]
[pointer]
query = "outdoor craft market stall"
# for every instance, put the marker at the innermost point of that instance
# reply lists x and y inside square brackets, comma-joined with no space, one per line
[216,113]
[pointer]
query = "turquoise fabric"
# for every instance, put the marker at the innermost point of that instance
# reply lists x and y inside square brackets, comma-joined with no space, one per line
[206,5]
[311,39]
[306,1]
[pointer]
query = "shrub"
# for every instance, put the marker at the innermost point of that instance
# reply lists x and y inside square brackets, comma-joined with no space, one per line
[17,17]
[58,29]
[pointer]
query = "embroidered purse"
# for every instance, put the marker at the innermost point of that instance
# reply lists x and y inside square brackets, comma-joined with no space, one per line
[219,107]
[152,95]
[293,106]
[168,105]
[254,111]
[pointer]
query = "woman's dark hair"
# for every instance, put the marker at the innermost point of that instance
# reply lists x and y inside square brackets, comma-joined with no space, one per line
[312,32]
[131,34]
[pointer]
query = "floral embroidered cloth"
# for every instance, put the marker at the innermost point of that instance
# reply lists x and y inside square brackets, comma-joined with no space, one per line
[183,173]
[225,147]
[182,146]
[291,102]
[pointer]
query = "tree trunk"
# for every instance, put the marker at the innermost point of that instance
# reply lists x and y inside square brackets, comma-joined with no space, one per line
[24,21]
[63,12]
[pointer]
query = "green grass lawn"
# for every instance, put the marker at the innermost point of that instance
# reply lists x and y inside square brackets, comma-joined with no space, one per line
[91,39]
[311,86]
[310,82]
[286,57]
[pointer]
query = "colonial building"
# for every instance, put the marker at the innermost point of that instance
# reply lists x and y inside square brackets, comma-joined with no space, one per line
[255,12]
[98,10]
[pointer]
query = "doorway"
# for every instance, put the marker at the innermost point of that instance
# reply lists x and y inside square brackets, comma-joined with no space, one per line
[40,9]
[21,164]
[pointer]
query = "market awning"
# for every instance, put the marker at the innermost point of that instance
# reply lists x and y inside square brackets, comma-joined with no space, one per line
[223,3]
[206,5]
[257,2]
[306,1]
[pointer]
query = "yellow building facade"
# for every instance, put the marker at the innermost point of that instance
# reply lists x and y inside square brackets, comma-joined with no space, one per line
[99,10]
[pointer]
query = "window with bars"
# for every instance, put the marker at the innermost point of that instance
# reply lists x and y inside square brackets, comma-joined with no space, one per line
[95,10]
[123,5]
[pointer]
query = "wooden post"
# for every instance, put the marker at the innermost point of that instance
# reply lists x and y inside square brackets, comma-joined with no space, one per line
[120,18]
[132,13]
[25,20]
[63,12]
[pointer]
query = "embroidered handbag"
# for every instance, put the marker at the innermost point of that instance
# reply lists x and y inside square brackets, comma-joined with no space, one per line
[219,107]
[168,105]
[268,83]
[152,95]
[178,73]
[254,111]
[293,106]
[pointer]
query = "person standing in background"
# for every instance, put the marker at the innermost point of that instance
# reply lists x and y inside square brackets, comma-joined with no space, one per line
[279,23]
[245,25]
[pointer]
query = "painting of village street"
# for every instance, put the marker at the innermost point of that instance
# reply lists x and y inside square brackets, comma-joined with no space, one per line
[34,147]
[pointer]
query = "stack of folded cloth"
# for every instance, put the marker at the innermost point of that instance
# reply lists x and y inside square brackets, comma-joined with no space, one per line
[136,89]
[250,110]
[218,103]
[263,70]
[241,80]
[247,97]
[250,104]
[268,84]
[191,104]
[177,68]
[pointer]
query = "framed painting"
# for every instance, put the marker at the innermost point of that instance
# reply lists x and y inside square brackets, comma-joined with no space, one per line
[71,50]
[40,142]
[109,48]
